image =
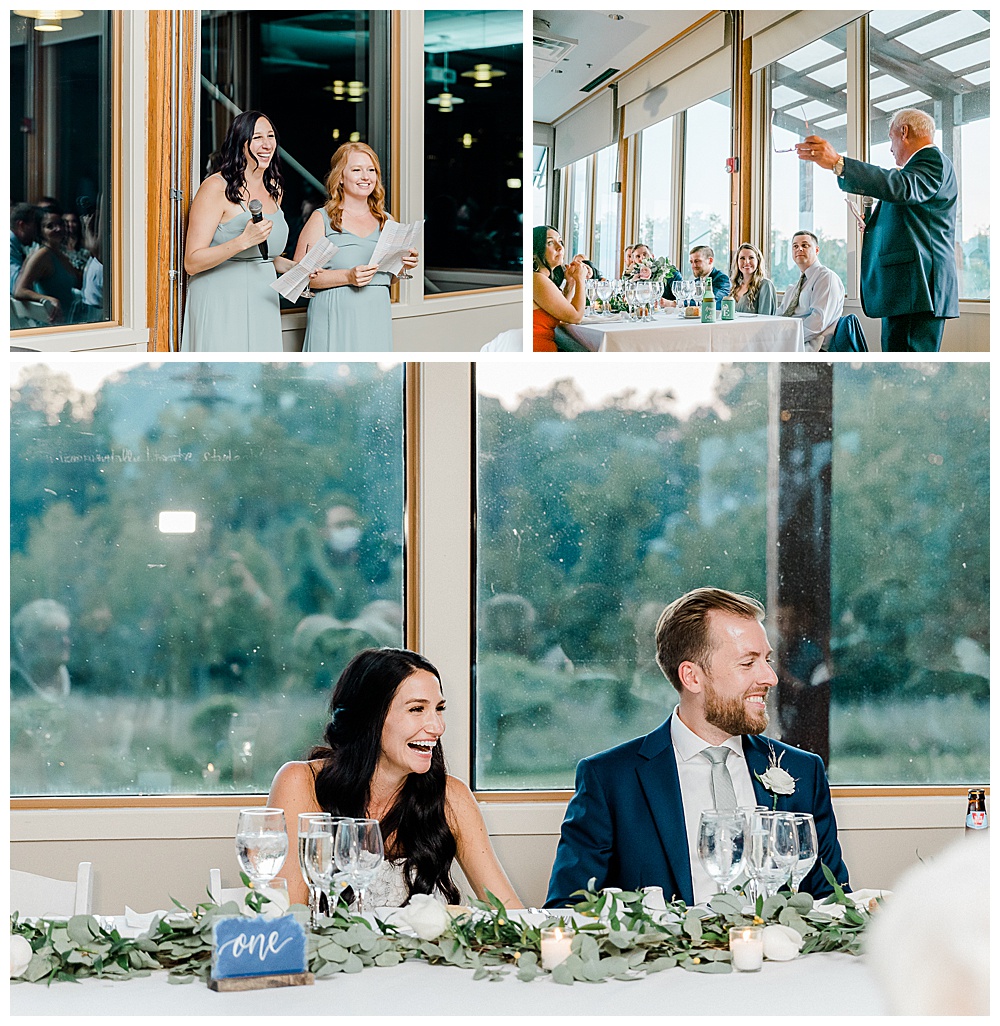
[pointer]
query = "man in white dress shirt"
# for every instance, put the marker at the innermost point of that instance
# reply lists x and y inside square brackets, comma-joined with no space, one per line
[817,298]
[633,820]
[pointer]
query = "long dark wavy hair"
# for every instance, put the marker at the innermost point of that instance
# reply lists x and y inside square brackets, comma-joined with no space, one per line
[539,240]
[415,828]
[233,159]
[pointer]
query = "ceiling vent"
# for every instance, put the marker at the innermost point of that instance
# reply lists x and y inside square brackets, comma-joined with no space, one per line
[548,49]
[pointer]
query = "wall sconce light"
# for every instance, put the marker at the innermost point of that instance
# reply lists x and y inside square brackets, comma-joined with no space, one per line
[483,75]
[49,21]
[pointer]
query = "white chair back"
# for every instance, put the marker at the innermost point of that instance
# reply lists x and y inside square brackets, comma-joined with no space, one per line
[33,895]
[220,895]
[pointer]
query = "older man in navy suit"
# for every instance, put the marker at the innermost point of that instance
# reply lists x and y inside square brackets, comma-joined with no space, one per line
[633,821]
[909,277]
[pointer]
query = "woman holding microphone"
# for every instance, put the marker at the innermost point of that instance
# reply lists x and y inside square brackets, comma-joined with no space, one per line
[350,309]
[231,307]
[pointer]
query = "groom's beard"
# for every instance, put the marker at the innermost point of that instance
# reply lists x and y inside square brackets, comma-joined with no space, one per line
[732,714]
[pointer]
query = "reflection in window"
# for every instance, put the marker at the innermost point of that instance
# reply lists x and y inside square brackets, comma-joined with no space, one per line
[705,216]
[604,252]
[60,169]
[939,62]
[323,76]
[808,95]
[539,185]
[601,500]
[655,194]
[474,149]
[197,552]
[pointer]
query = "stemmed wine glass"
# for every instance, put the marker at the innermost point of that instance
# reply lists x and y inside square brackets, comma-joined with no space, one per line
[805,831]
[629,289]
[590,288]
[679,289]
[604,290]
[721,845]
[307,293]
[316,834]
[657,287]
[358,853]
[643,294]
[773,850]
[261,844]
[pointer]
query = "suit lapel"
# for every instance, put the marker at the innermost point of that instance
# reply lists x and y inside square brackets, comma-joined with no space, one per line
[657,773]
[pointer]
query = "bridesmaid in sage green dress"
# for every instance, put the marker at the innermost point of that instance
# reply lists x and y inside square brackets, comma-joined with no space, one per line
[231,306]
[350,310]
[752,291]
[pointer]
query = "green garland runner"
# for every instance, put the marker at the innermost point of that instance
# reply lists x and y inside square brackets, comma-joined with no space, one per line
[622,940]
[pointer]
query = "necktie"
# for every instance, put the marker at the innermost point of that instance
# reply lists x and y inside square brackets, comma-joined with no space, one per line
[722,783]
[790,309]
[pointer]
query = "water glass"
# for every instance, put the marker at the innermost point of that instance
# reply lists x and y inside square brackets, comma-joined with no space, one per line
[805,831]
[721,845]
[773,850]
[325,821]
[604,289]
[657,287]
[643,294]
[261,844]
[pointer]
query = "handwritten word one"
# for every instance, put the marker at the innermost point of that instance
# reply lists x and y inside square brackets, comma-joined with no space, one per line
[260,945]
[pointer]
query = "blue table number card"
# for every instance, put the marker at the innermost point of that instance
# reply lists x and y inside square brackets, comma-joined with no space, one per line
[257,947]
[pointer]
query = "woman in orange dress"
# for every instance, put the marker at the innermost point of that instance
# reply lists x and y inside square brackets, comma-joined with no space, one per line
[552,304]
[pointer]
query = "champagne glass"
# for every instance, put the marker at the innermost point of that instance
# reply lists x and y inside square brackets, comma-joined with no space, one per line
[307,293]
[805,831]
[773,850]
[323,820]
[591,292]
[404,273]
[629,287]
[721,845]
[358,853]
[679,289]
[261,844]
[657,287]
[317,858]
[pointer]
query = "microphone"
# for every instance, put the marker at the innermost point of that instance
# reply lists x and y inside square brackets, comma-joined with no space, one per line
[257,215]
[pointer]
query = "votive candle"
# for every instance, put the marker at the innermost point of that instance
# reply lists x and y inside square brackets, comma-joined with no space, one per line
[556,946]
[746,944]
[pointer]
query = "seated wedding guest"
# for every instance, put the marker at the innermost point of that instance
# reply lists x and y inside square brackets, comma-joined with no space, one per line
[383,760]
[817,299]
[73,247]
[945,969]
[22,236]
[231,306]
[47,275]
[591,271]
[752,291]
[628,257]
[553,304]
[350,311]
[702,259]
[633,821]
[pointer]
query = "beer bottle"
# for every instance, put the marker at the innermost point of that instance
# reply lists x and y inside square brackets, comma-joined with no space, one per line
[708,302]
[975,816]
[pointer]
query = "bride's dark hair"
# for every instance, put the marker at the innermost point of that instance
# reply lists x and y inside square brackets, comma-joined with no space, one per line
[233,159]
[415,828]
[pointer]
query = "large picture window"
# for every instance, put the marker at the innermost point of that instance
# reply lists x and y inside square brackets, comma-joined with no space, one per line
[600,501]
[197,551]
[62,186]
[706,209]
[656,208]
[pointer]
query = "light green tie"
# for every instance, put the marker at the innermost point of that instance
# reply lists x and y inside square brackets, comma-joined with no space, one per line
[790,309]
[723,790]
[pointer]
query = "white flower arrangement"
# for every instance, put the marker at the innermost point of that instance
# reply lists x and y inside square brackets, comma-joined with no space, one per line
[781,943]
[425,916]
[775,779]
[20,955]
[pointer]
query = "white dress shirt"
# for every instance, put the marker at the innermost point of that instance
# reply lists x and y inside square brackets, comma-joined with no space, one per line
[820,305]
[695,774]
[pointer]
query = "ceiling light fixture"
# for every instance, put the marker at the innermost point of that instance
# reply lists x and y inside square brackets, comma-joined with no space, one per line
[49,21]
[483,75]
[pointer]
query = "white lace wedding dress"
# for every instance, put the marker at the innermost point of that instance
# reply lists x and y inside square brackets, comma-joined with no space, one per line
[389,890]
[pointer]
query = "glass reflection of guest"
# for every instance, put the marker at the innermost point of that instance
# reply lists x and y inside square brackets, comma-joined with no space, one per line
[230,306]
[350,311]
[47,276]
[73,248]
[753,292]
[39,650]
[23,226]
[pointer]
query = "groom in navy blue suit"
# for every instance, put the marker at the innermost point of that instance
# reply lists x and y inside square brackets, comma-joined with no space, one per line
[633,820]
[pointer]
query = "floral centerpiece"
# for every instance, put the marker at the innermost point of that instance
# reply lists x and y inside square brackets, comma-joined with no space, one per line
[660,269]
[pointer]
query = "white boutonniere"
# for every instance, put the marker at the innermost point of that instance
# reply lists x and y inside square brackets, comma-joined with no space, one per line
[775,779]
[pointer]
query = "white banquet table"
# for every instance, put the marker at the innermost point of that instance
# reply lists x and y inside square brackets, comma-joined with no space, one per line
[748,333]
[830,984]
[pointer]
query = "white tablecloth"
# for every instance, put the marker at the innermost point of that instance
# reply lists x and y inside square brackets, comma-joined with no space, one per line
[828,984]
[749,333]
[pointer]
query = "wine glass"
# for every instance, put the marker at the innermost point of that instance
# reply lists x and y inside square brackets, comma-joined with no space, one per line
[307,293]
[604,290]
[698,289]
[404,273]
[772,850]
[358,853]
[261,844]
[679,289]
[629,288]
[657,287]
[643,294]
[317,859]
[590,288]
[721,845]
[805,831]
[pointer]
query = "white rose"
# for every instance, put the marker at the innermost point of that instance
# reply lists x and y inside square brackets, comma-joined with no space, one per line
[781,943]
[778,781]
[425,916]
[20,955]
